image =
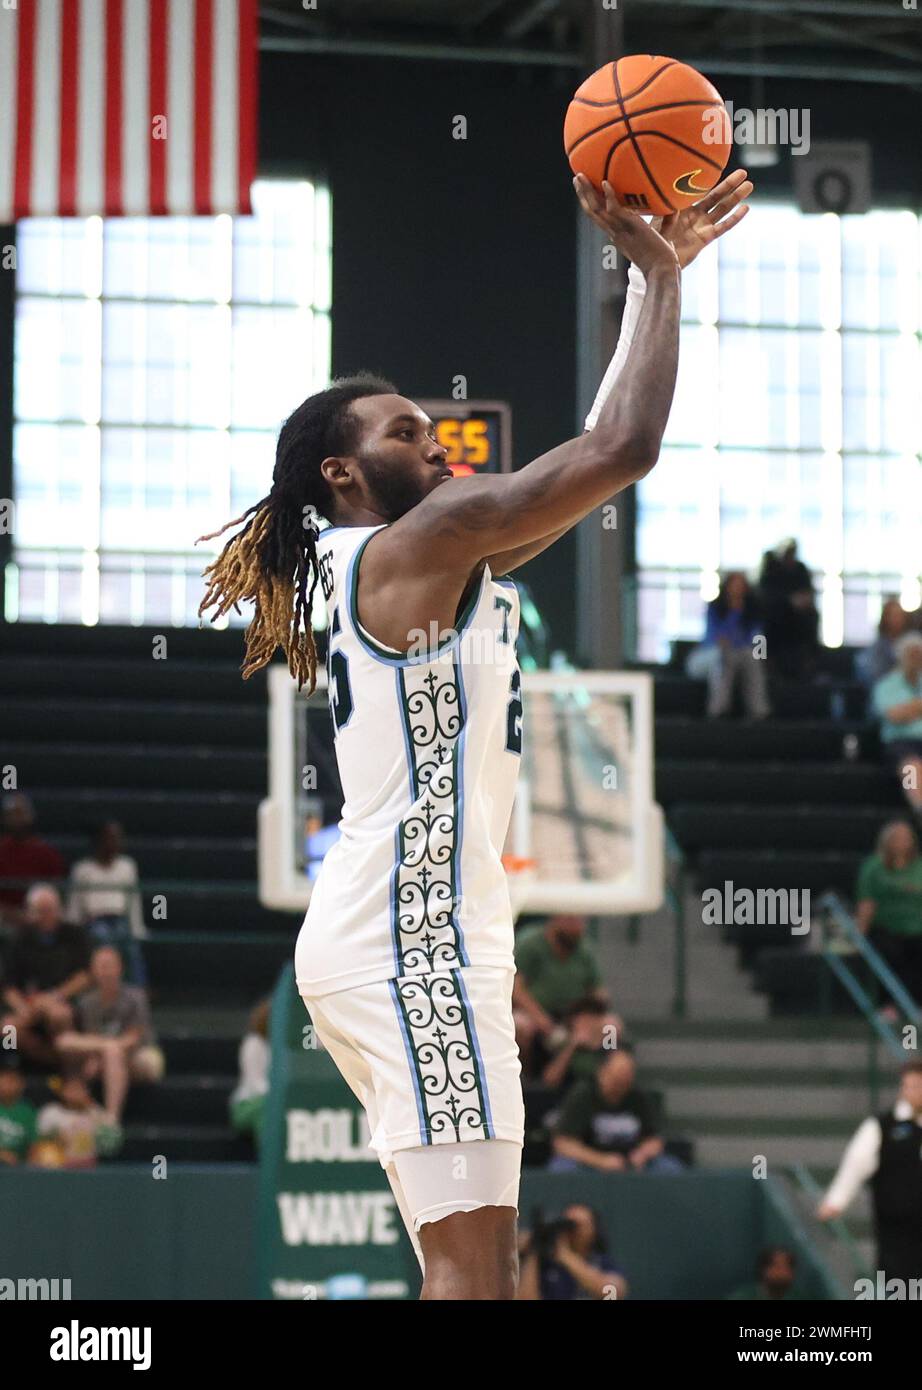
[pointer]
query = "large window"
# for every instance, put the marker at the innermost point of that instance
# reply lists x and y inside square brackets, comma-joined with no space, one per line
[155,360]
[798,413]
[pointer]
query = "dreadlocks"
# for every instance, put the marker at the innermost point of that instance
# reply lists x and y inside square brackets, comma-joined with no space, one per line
[272,561]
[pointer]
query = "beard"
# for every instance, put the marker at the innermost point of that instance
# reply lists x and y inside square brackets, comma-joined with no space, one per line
[394,493]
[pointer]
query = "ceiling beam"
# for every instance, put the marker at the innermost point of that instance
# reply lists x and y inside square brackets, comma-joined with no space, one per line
[454,53]
[533,14]
[810,71]
[396,48]
[863,9]
[842,34]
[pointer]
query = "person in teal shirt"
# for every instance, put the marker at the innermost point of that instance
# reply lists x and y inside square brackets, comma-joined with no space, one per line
[17,1116]
[897,701]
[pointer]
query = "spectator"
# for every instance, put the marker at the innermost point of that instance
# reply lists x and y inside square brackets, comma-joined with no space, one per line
[789,606]
[897,700]
[887,1150]
[554,968]
[248,1100]
[17,1116]
[23,856]
[776,1271]
[568,1259]
[105,898]
[889,897]
[47,967]
[877,660]
[607,1125]
[733,620]
[79,1128]
[115,1038]
[594,1031]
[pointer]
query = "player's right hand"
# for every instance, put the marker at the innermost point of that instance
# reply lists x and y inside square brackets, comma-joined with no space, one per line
[627,230]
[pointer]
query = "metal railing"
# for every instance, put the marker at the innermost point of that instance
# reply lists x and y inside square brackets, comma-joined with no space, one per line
[677,877]
[837,1228]
[839,925]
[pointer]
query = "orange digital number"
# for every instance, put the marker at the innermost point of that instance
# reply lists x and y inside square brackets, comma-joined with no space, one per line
[448,433]
[476,442]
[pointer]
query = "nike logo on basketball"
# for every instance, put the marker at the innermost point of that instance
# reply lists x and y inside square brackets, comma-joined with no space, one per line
[684,184]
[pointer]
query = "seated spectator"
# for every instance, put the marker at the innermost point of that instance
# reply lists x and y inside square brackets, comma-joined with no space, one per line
[47,967]
[593,1032]
[114,1039]
[789,607]
[23,856]
[733,620]
[889,895]
[79,1130]
[248,1100]
[897,701]
[878,660]
[776,1270]
[567,1259]
[17,1116]
[607,1125]
[104,898]
[555,967]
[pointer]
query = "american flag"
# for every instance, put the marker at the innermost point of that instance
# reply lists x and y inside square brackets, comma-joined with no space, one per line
[127,107]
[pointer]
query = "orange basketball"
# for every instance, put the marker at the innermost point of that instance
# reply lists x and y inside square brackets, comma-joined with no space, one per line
[653,127]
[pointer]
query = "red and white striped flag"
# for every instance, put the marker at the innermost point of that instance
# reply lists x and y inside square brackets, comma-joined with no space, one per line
[127,107]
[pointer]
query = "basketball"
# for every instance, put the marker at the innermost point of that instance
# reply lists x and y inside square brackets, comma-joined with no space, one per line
[655,128]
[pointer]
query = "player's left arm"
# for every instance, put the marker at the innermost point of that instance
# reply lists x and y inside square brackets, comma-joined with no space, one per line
[689,231]
[508,560]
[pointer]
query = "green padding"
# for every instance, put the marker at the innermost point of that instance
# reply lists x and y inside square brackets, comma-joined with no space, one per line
[120,1233]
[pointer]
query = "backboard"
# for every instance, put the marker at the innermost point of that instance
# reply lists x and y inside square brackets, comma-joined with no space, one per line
[585,835]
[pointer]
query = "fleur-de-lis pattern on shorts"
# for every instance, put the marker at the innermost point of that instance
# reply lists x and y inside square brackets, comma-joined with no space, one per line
[442,1050]
[425,887]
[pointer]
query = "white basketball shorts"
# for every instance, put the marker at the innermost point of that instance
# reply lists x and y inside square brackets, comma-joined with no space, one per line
[433,1061]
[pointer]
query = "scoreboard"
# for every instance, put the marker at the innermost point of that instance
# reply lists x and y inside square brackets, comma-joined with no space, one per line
[477,435]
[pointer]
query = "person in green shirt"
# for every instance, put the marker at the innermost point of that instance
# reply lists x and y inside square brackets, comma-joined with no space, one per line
[17,1116]
[555,967]
[776,1272]
[594,1031]
[897,702]
[889,895]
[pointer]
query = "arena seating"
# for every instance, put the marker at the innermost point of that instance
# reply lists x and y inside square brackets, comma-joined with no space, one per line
[792,802]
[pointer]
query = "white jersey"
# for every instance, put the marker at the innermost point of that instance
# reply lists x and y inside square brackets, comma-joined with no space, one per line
[428,747]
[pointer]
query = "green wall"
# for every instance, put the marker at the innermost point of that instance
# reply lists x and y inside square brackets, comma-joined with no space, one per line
[118,1233]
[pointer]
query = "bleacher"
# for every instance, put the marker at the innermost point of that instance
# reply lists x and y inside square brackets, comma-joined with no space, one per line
[175,749]
[792,802]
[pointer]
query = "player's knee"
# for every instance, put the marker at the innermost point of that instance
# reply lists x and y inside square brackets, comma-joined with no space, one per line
[471,1255]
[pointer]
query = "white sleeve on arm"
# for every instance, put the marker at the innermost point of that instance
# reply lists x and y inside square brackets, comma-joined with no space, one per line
[633,303]
[859,1162]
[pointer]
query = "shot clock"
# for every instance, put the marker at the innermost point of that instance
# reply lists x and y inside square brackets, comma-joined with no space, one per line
[476,435]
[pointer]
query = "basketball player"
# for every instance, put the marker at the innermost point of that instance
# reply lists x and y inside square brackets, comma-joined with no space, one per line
[405,956]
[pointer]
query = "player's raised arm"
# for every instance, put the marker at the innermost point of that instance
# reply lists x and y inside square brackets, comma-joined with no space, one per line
[471,518]
[690,232]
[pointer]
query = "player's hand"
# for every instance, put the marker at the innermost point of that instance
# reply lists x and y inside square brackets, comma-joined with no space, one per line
[636,239]
[694,228]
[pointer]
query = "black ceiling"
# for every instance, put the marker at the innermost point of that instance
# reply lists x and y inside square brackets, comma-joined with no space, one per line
[874,41]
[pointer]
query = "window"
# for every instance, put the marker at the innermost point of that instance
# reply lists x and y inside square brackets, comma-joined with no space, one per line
[155,361]
[798,412]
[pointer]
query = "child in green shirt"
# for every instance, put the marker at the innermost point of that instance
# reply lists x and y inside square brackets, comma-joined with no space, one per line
[17,1116]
